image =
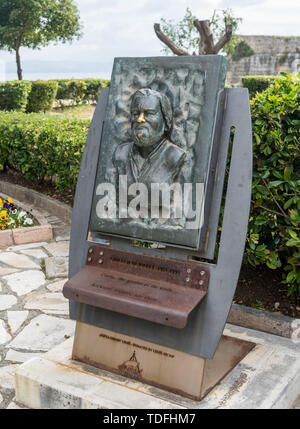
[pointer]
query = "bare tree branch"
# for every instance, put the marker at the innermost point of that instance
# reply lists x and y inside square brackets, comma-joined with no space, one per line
[206,45]
[224,39]
[167,41]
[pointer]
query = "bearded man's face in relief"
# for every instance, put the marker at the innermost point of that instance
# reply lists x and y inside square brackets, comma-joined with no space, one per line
[147,121]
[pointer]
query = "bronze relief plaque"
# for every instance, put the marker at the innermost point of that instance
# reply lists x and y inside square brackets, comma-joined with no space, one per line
[155,148]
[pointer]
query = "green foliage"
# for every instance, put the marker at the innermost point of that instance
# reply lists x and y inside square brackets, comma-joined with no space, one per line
[282,59]
[217,26]
[42,96]
[186,36]
[274,228]
[183,33]
[76,89]
[33,24]
[37,23]
[14,95]
[43,146]
[242,50]
[93,88]
[257,83]
[62,89]
[80,89]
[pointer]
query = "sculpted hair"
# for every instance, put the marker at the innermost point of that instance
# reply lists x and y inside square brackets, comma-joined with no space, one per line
[164,102]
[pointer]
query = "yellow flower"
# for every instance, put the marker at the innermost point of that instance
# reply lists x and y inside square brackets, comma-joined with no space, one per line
[1,203]
[10,200]
[3,214]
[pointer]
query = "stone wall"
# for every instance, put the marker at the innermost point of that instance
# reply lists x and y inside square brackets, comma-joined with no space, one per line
[273,54]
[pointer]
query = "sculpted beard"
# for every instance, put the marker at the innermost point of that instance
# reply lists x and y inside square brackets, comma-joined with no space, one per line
[144,135]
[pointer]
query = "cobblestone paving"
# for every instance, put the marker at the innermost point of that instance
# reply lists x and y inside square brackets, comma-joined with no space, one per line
[34,315]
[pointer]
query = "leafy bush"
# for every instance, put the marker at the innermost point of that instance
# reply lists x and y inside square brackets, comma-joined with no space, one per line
[257,83]
[80,89]
[14,95]
[42,96]
[41,146]
[76,90]
[93,88]
[62,89]
[73,89]
[273,234]
[242,50]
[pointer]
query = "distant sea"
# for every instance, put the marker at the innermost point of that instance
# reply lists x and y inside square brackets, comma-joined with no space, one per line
[58,75]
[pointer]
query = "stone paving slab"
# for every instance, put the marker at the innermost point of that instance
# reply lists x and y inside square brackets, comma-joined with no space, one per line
[19,357]
[56,266]
[25,281]
[49,302]
[4,271]
[7,301]
[15,319]
[26,246]
[58,248]
[7,379]
[4,335]
[36,253]
[56,286]
[18,261]
[29,332]
[42,333]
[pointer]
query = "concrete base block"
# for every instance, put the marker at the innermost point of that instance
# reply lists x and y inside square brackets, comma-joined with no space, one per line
[268,377]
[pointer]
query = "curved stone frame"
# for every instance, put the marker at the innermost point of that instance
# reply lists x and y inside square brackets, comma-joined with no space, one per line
[202,334]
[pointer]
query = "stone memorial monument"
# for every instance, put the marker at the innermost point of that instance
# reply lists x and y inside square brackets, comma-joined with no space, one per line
[151,280]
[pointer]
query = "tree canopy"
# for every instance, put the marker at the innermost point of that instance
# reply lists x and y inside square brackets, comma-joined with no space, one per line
[36,23]
[193,37]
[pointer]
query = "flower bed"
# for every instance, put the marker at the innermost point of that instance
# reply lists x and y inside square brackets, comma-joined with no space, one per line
[15,221]
[11,217]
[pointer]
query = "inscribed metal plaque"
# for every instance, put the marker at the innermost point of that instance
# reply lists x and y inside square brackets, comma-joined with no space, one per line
[155,148]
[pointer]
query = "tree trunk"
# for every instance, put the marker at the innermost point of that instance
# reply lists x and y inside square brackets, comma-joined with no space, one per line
[18,60]
[206,42]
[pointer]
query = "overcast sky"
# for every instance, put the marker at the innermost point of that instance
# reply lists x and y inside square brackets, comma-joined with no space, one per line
[114,28]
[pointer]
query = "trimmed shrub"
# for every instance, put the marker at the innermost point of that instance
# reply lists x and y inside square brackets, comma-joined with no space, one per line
[14,95]
[274,226]
[93,88]
[76,90]
[62,89]
[73,89]
[80,89]
[42,96]
[42,146]
[257,83]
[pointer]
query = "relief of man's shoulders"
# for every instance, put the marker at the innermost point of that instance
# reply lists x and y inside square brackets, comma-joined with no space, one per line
[121,153]
[167,152]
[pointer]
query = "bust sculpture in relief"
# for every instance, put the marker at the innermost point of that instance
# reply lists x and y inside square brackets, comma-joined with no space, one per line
[150,157]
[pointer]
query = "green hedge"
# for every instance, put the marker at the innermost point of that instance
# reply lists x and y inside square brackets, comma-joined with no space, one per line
[274,226]
[42,146]
[93,88]
[257,83]
[14,95]
[42,96]
[38,96]
[80,89]
[73,89]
